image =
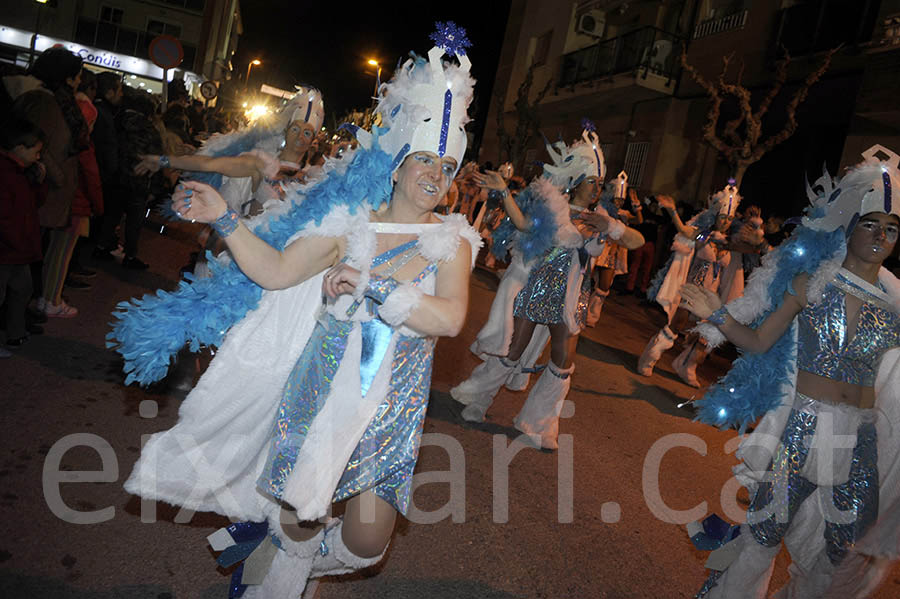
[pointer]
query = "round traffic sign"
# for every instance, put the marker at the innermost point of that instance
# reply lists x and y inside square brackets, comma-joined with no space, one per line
[209,90]
[166,52]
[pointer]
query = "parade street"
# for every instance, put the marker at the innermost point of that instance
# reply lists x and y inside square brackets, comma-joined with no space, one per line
[601,517]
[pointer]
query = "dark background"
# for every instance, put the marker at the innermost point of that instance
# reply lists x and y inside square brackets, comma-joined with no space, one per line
[327,45]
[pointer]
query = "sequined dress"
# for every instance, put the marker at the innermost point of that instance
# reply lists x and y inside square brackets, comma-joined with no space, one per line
[557,289]
[385,455]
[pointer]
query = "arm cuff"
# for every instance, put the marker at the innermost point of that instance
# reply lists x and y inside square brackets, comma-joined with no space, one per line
[399,304]
[616,229]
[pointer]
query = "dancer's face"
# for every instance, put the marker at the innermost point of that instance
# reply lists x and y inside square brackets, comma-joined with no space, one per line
[424,179]
[874,237]
[587,191]
[298,136]
[723,221]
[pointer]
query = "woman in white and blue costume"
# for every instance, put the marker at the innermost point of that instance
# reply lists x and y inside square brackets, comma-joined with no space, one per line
[700,255]
[336,415]
[253,167]
[819,327]
[545,289]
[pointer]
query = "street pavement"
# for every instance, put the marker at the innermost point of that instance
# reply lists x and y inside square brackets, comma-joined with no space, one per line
[602,517]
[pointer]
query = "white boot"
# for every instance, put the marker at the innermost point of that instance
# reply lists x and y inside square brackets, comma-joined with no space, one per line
[660,342]
[334,557]
[685,365]
[280,567]
[478,391]
[595,306]
[539,417]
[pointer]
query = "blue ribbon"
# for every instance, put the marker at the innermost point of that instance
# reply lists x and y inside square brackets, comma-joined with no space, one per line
[376,336]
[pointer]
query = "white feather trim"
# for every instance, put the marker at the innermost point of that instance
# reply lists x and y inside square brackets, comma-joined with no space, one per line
[567,235]
[399,304]
[682,244]
[824,275]
[440,244]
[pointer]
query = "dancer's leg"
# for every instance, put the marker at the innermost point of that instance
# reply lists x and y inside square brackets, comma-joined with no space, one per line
[539,416]
[477,392]
[368,525]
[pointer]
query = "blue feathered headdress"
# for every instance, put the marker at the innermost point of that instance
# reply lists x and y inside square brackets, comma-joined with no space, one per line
[151,330]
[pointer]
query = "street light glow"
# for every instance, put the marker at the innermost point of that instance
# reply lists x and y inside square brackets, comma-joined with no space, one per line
[256,62]
[373,62]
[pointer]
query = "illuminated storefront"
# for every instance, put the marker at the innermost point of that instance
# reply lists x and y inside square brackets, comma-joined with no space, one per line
[138,72]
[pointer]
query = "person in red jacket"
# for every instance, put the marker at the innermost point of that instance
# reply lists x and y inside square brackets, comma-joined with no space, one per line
[21,192]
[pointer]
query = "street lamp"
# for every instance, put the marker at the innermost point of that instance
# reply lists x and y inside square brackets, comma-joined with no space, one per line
[251,64]
[37,28]
[377,66]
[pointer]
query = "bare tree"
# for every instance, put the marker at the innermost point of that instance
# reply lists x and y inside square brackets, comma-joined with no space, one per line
[739,140]
[527,119]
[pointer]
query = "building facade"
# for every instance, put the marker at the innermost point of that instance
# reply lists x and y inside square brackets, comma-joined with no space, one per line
[618,63]
[116,34]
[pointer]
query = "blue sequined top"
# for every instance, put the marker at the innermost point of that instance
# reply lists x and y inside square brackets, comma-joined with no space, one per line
[824,348]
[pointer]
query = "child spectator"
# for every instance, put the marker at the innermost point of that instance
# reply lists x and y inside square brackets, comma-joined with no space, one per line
[21,191]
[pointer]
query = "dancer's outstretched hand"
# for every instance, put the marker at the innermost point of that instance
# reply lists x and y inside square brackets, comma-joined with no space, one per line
[700,301]
[489,179]
[340,279]
[666,203]
[195,201]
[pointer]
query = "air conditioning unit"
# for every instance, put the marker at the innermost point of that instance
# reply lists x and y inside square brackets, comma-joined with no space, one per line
[591,23]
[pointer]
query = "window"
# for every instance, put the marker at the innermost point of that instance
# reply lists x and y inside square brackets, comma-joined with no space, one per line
[635,161]
[542,49]
[155,27]
[108,14]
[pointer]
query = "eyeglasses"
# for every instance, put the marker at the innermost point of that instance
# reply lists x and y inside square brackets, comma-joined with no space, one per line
[890,231]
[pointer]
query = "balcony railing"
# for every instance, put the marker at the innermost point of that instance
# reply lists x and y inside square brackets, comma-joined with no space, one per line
[121,40]
[721,25]
[647,48]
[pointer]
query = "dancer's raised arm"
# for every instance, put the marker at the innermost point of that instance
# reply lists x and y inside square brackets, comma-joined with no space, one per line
[266,266]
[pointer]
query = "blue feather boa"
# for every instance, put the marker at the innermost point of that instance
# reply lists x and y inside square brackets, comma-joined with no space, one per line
[241,142]
[151,330]
[752,386]
[534,241]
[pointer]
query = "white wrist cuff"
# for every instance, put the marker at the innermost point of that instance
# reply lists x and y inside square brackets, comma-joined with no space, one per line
[616,229]
[399,304]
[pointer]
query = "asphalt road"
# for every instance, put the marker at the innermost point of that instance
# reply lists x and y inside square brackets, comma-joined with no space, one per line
[601,517]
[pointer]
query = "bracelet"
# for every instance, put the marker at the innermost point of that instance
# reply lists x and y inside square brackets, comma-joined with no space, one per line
[226,224]
[380,287]
[718,317]
[498,194]
[164,162]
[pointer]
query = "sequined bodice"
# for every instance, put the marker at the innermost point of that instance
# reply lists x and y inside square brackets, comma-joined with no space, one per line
[824,348]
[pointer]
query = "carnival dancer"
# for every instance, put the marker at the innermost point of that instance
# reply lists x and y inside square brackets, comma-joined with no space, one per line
[307,403]
[613,260]
[258,164]
[699,254]
[820,326]
[545,279]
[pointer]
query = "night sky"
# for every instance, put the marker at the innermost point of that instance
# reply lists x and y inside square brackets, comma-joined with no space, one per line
[327,44]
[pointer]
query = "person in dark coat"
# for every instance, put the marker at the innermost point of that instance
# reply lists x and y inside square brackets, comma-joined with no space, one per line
[135,135]
[46,98]
[21,191]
